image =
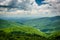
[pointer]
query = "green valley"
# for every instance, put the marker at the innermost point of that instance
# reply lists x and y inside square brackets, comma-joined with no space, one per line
[30,30]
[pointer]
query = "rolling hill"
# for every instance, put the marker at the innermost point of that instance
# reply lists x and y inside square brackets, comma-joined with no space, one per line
[31,30]
[55,36]
[46,24]
[8,27]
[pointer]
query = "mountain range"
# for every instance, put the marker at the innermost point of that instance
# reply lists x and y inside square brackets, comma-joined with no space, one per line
[45,24]
[47,28]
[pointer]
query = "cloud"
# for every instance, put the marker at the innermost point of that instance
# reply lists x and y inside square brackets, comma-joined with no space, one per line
[19,4]
[4,2]
[54,6]
[29,8]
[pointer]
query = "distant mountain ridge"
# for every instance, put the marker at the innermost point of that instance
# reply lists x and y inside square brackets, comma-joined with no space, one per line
[16,31]
[9,26]
[46,24]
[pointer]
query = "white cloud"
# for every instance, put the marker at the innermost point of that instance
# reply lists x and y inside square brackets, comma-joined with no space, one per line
[52,8]
[44,10]
[5,2]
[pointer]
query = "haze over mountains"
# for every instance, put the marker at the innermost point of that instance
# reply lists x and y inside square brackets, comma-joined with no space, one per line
[45,24]
[29,19]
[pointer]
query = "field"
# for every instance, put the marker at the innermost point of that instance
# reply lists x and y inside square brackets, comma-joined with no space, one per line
[12,30]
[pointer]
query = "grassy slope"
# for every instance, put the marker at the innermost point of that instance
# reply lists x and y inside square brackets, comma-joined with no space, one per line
[45,24]
[6,27]
[55,35]
[34,34]
[12,26]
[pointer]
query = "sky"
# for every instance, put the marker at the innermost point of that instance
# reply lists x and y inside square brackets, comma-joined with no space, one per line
[29,8]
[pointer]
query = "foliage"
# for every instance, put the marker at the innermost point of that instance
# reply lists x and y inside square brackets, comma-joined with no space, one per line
[14,31]
[18,35]
[55,36]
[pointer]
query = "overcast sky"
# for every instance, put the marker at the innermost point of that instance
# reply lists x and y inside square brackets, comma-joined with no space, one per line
[29,8]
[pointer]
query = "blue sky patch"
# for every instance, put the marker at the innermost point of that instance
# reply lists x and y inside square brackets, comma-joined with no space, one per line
[39,2]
